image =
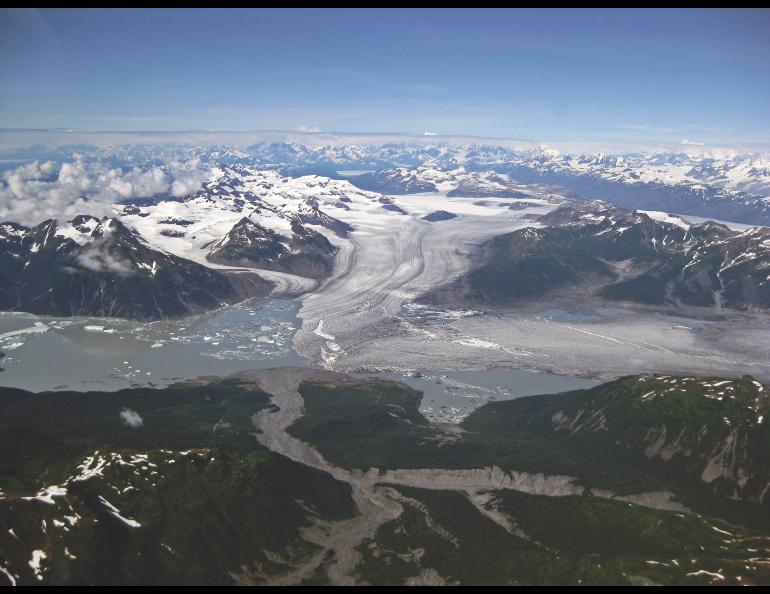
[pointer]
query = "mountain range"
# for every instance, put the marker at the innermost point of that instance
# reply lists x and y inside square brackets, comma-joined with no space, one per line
[608,252]
[99,267]
[247,220]
[167,257]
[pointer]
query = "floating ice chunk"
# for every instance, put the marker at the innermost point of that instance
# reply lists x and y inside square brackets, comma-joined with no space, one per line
[37,328]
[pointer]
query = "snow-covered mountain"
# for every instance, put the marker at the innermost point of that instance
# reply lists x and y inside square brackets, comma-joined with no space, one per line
[459,182]
[740,173]
[100,267]
[356,157]
[246,217]
[165,256]
[596,249]
[748,172]
[696,182]
[216,212]
[733,188]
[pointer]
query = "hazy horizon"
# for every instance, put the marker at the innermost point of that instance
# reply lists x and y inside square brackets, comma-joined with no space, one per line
[20,139]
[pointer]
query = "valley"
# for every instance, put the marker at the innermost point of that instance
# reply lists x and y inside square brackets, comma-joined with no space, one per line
[346,483]
[457,363]
[370,315]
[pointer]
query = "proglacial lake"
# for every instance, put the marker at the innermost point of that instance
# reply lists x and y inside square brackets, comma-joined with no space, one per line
[44,353]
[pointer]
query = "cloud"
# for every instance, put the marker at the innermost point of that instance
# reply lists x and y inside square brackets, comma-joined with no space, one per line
[687,142]
[41,190]
[138,182]
[428,133]
[309,129]
[98,258]
[188,176]
[131,418]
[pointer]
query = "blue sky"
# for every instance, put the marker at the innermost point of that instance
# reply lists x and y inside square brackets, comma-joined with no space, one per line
[583,75]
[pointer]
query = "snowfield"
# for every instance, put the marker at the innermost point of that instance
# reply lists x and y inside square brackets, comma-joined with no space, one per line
[190,227]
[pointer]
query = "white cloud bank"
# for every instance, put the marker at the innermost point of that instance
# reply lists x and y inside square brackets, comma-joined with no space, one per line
[37,191]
